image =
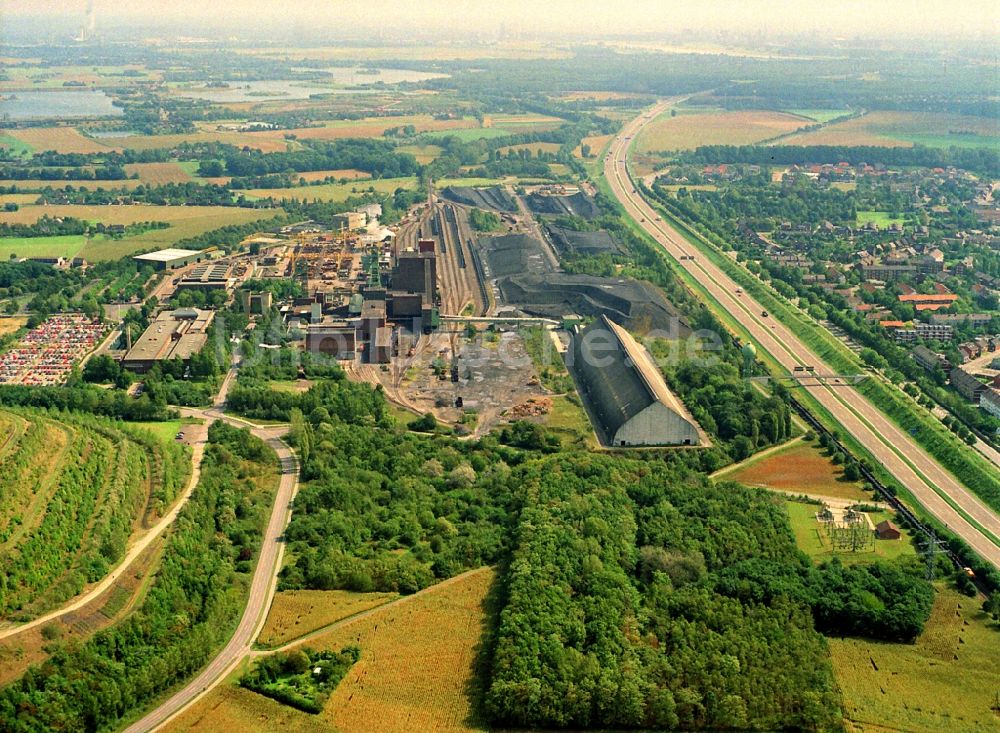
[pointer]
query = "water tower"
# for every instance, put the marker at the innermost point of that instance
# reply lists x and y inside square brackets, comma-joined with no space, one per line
[749,352]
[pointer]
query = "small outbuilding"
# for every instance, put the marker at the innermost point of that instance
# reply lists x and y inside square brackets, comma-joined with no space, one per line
[886,530]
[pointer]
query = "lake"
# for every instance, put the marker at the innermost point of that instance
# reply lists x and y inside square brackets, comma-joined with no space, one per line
[36,105]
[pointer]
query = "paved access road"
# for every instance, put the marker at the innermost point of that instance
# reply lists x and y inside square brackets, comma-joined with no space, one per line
[920,473]
[262,586]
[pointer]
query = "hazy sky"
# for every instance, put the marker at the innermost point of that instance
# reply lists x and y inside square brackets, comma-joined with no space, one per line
[618,17]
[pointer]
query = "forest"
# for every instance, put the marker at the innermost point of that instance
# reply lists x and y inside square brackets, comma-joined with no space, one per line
[643,596]
[188,612]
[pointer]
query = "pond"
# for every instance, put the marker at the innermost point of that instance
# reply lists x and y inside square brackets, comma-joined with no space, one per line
[61,104]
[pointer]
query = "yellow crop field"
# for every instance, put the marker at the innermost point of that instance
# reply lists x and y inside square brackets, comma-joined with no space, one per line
[157,173]
[416,665]
[944,683]
[297,612]
[596,143]
[688,131]
[60,139]
[350,173]
[9,324]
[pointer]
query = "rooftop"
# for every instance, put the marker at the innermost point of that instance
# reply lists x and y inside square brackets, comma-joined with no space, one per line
[167,255]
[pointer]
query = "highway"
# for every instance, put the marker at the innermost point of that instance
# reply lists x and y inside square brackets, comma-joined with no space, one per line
[262,586]
[922,475]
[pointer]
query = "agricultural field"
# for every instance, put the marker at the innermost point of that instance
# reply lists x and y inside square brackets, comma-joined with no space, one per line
[416,666]
[423,153]
[819,115]
[12,144]
[331,191]
[157,174]
[10,324]
[297,612]
[185,221]
[800,467]
[60,139]
[812,539]
[62,246]
[350,173]
[944,683]
[896,129]
[129,184]
[71,494]
[688,131]
[596,143]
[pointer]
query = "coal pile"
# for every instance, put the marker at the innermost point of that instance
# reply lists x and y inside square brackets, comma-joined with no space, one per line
[577,204]
[494,198]
[512,254]
[636,305]
[571,242]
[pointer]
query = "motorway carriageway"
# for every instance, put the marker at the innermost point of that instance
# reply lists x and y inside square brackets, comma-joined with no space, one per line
[937,490]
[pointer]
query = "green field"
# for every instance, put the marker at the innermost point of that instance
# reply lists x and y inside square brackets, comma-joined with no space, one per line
[881,218]
[819,115]
[470,134]
[944,683]
[166,430]
[951,141]
[423,153]
[333,191]
[812,540]
[16,146]
[64,246]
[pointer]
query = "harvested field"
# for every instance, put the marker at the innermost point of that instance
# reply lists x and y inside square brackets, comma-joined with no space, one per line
[350,173]
[158,173]
[799,467]
[596,143]
[944,683]
[688,131]
[897,129]
[416,662]
[297,612]
[60,139]
[9,324]
[414,674]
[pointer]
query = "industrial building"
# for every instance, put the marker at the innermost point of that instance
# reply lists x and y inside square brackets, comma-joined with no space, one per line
[171,259]
[416,272]
[173,335]
[255,302]
[349,220]
[208,276]
[627,398]
[337,339]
